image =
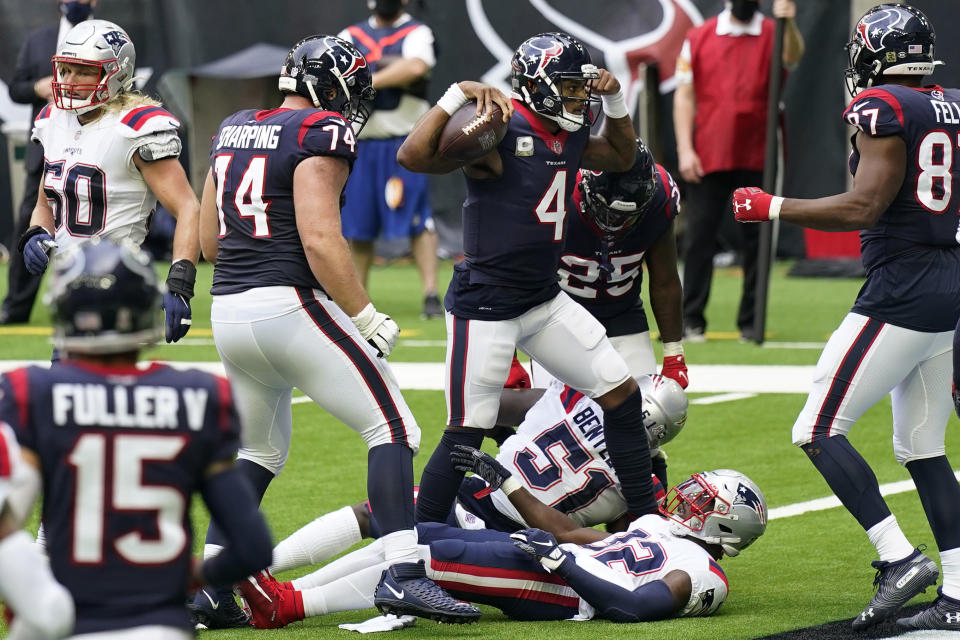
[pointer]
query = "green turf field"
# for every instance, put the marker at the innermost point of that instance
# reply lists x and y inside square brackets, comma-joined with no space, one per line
[806,570]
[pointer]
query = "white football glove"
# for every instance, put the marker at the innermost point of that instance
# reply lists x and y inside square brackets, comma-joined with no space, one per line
[378,329]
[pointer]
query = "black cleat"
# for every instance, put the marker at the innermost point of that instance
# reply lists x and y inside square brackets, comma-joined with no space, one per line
[432,307]
[944,613]
[896,583]
[216,610]
[405,589]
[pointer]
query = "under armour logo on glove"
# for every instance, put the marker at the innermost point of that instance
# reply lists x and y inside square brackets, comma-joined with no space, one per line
[751,204]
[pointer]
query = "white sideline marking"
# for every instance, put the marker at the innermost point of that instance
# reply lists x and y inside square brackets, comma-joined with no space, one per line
[820,504]
[723,397]
[423,343]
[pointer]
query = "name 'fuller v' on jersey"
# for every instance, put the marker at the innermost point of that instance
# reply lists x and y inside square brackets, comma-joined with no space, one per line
[253,157]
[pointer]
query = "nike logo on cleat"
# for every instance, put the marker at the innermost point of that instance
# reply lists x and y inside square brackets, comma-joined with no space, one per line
[398,594]
[213,604]
[907,576]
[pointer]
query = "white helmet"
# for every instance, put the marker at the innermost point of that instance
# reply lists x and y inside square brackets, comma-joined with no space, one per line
[664,408]
[722,507]
[96,43]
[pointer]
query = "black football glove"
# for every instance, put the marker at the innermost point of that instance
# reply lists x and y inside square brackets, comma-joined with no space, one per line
[541,545]
[464,458]
[176,300]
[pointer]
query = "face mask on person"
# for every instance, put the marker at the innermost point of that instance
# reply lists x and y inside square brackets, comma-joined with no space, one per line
[76,12]
[385,8]
[743,10]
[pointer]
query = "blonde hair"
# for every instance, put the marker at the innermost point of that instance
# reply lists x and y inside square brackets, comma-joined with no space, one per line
[129,100]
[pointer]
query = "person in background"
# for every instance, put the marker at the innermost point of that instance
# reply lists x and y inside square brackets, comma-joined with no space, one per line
[33,84]
[720,115]
[383,198]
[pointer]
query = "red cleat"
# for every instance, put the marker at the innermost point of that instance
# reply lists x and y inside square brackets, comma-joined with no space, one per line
[272,605]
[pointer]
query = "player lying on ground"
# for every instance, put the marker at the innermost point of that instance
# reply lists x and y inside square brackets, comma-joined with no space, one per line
[558,453]
[663,566]
[121,449]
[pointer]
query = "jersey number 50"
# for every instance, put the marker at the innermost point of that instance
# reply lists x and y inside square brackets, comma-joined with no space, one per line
[80,202]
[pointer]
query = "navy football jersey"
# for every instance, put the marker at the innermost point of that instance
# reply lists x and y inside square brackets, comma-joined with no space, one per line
[605,276]
[514,225]
[122,450]
[253,158]
[911,255]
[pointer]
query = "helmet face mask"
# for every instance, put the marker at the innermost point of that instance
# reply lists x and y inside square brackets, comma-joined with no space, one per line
[616,202]
[104,299]
[332,74]
[99,44]
[551,74]
[889,40]
[722,507]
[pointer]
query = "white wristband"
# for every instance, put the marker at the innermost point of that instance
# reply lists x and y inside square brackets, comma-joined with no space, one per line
[671,349]
[775,203]
[452,100]
[614,105]
[510,485]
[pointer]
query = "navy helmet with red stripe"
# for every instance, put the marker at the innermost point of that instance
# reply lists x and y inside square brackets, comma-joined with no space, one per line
[539,68]
[332,74]
[615,202]
[100,44]
[890,39]
[104,298]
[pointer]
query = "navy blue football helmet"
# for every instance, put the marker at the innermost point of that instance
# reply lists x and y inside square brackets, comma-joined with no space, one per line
[890,40]
[317,64]
[537,69]
[104,298]
[615,202]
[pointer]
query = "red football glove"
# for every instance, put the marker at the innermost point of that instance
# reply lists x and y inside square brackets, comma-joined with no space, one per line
[675,368]
[751,204]
[518,378]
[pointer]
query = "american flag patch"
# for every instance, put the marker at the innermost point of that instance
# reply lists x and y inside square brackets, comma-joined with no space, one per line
[915,48]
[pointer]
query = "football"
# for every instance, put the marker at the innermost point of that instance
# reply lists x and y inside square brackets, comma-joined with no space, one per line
[467,137]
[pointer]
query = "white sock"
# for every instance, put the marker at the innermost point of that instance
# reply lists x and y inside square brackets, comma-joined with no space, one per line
[42,538]
[211,550]
[400,546]
[889,540]
[355,561]
[29,588]
[354,591]
[320,540]
[950,565]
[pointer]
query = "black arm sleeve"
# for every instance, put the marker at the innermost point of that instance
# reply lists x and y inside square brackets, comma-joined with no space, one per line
[249,546]
[651,601]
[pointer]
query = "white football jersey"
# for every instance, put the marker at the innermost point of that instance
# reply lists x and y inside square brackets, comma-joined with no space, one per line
[90,179]
[560,456]
[648,551]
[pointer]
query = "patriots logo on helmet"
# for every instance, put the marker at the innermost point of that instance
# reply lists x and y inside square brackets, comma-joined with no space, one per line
[747,496]
[873,29]
[116,40]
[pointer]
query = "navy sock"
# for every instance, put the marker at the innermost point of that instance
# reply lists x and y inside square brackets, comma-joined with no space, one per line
[940,496]
[659,465]
[626,440]
[390,486]
[850,477]
[440,481]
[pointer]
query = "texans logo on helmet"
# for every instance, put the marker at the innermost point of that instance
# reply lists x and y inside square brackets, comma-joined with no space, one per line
[874,28]
[550,52]
[747,496]
[344,57]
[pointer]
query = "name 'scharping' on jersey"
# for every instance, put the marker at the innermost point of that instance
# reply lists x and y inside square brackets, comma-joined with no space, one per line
[253,158]
[918,233]
[121,451]
[606,276]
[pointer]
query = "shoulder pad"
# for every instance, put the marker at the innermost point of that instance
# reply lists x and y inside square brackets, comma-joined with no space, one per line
[147,119]
[876,112]
[44,113]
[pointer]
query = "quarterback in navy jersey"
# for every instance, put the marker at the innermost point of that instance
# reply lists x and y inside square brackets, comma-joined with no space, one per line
[289,309]
[505,294]
[121,449]
[898,336]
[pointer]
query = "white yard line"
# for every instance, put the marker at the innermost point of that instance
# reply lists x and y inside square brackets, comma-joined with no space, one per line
[723,397]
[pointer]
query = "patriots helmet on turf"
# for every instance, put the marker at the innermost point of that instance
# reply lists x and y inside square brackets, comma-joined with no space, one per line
[332,74]
[104,298]
[722,507]
[664,408]
[890,39]
[538,70]
[100,44]
[615,202]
